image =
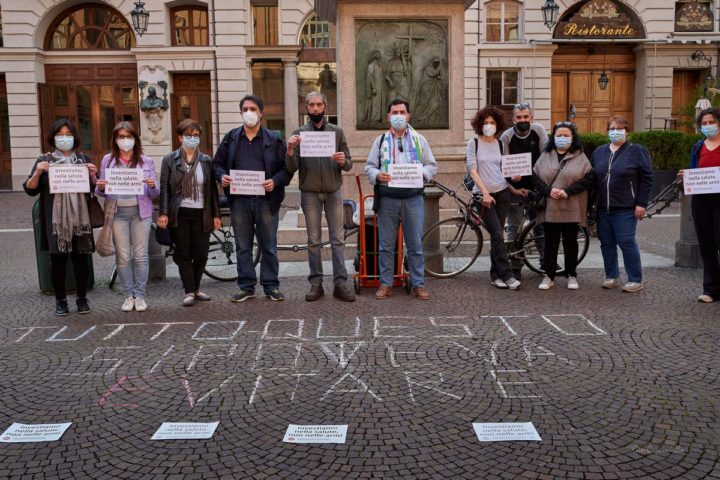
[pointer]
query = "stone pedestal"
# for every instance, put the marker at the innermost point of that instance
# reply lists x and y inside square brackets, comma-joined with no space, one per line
[156,258]
[431,245]
[687,252]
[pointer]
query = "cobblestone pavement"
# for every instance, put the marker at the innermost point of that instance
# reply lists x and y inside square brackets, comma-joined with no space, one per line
[618,385]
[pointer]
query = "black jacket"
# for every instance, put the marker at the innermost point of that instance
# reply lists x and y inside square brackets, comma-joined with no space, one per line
[629,180]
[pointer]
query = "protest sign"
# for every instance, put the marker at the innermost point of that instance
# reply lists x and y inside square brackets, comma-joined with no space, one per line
[124,181]
[315,434]
[247,182]
[701,180]
[317,144]
[502,432]
[185,431]
[22,433]
[517,165]
[69,178]
[406,175]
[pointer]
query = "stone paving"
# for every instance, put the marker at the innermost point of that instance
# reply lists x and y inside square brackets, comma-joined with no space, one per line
[618,385]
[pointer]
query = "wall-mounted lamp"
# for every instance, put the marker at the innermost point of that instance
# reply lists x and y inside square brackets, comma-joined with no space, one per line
[603,79]
[550,13]
[140,18]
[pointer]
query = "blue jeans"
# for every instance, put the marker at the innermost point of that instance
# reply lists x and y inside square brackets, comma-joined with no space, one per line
[312,206]
[616,228]
[130,236]
[412,212]
[251,217]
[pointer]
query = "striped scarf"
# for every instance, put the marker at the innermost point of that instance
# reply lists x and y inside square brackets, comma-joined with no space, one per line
[388,150]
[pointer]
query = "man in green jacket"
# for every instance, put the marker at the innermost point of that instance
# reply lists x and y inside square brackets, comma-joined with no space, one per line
[320,188]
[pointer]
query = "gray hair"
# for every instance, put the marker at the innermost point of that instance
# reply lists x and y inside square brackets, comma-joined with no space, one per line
[522,106]
[315,94]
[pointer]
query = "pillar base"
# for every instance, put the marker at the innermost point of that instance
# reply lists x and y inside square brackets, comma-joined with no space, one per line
[687,255]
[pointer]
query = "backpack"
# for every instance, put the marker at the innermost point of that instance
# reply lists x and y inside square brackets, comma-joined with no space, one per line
[468,181]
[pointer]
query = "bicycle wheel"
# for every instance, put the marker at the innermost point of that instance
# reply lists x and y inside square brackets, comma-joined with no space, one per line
[222,263]
[532,243]
[450,247]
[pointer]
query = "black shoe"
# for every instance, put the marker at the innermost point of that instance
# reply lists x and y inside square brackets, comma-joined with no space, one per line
[344,293]
[242,295]
[275,295]
[61,308]
[82,305]
[316,291]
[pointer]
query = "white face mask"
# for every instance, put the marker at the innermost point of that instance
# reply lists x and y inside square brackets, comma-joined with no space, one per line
[125,144]
[250,118]
[489,130]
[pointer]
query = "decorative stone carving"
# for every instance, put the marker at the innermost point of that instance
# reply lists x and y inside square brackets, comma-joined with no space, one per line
[154,109]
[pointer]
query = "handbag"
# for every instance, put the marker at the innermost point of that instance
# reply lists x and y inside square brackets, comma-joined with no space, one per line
[104,244]
[163,237]
[95,212]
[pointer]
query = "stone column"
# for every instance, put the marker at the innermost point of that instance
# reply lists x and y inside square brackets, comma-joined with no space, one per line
[291,95]
[687,251]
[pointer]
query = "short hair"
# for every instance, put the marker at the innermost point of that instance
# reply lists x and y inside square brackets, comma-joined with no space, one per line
[624,123]
[55,128]
[576,143]
[253,98]
[188,124]
[522,106]
[315,94]
[137,148]
[398,101]
[481,115]
[714,111]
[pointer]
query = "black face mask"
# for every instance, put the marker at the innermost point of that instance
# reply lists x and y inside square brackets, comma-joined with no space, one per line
[522,127]
[316,117]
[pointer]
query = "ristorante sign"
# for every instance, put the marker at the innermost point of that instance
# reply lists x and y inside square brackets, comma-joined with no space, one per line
[600,19]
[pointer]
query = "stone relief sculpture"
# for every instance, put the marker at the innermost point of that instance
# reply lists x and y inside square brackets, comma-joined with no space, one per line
[373,90]
[154,109]
[429,108]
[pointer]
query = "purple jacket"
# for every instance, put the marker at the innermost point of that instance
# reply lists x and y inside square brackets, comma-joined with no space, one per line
[144,201]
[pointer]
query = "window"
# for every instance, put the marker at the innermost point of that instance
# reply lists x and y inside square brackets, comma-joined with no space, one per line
[90,28]
[694,16]
[502,21]
[189,26]
[317,34]
[502,87]
[265,24]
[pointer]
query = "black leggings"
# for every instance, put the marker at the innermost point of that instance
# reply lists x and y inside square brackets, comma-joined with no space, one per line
[569,234]
[191,247]
[58,264]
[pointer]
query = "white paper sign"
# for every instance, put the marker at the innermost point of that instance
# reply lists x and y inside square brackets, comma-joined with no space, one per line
[701,180]
[517,165]
[405,175]
[124,181]
[69,179]
[185,431]
[503,432]
[317,144]
[21,432]
[315,434]
[247,182]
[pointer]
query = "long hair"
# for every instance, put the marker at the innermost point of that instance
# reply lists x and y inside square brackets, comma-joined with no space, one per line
[136,158]
[55,128]
[574,146]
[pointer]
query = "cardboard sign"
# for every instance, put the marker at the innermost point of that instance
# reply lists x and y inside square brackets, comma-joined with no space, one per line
[124,181]
[247,182]
[185,431]
[505,432]
[517,165]
[69,178]
[317,144]
[315,434]
[405,175]
[701,180]
[22,433]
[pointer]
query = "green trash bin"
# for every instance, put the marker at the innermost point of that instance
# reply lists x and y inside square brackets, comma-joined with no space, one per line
[43,261]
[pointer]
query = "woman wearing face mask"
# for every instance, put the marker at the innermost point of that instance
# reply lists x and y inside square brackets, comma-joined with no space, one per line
[484,164]
[64,219]
[622,184]
[190,207]
[133,214]
[563,174]
[706,207]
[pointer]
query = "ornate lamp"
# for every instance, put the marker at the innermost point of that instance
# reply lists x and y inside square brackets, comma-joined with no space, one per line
[550,13]
[140,18]
[603,79]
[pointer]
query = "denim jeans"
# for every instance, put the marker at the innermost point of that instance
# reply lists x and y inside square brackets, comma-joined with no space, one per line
[130,236]
[251,217]
[312,206]
[494,221]
[616,228]
[412,212]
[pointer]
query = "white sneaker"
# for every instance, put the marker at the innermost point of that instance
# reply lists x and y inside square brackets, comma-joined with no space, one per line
[513,284]
[128,304]
[705,298]
[140,305]
[611,283]
[188,300]
[546,283]
[499,284]
[572,283]
[633,287]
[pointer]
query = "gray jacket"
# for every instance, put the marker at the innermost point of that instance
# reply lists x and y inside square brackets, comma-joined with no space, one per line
[319,174]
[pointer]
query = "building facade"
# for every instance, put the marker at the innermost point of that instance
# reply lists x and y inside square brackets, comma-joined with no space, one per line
[85,61]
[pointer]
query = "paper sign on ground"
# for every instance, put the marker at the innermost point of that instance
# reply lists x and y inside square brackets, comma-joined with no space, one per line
[69,179]
[317,144]
[517,165]
[406,175]
[124,181]
[21,432]
[247,182]
[185,431]
[315,434]
[701,180]
[503,432]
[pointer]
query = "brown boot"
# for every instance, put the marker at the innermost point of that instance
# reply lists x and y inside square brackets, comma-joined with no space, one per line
[383,292]
[316,291]
[420,292]
[344,293]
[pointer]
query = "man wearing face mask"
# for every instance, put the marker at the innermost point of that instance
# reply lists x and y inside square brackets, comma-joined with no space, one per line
[320,188]
[525,136]
[401,144]
[253,147]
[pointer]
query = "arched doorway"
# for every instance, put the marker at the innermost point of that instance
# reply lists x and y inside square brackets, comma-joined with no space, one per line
[95,96]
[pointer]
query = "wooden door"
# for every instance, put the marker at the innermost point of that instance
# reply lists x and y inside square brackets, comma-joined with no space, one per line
[191,99]
[685,87]
[5,160]
[560,109]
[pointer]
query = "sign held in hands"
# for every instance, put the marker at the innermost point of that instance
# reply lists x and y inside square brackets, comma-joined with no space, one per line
[317,144]
[124,181]
[517,165]
[701,180]
[247,182]
[69,179]
[406,175]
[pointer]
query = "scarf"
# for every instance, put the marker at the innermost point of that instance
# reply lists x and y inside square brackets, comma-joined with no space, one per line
[70,216]
[189,182]
[388,150]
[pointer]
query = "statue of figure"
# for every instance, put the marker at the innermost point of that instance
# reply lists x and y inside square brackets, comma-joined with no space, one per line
[152,101]
[396,76]
[327,79]
[430,93]
[373,90]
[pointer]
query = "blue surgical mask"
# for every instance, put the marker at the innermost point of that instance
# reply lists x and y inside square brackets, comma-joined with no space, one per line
[616,135]
[563,142]
[398,122]
[64,143]
[707,130]
[190,143]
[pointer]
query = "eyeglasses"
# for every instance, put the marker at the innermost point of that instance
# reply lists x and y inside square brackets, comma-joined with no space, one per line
[400,146]
[197,137]
[565,124]
[124,137]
